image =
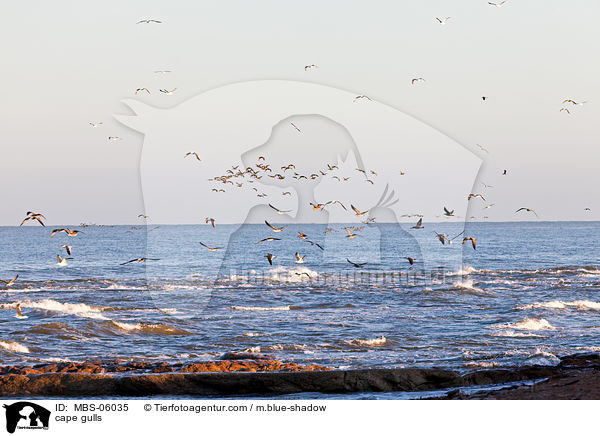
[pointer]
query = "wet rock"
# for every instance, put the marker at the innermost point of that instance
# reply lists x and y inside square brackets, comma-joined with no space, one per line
[239,355]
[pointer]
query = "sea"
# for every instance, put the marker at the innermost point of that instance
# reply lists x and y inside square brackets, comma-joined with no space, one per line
[527,294]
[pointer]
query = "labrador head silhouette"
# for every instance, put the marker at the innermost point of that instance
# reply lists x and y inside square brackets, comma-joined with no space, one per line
[289,144]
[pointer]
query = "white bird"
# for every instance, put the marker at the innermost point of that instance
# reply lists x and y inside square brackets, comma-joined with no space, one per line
[275,229]
[418,79]
[499,4]
[67,248]
[62,261]
[162,71]
[114,138]
[308,67]
[11,281]
[280,212]
[94,125]
[443,21]
[299,259]
[147,21]
[168,92]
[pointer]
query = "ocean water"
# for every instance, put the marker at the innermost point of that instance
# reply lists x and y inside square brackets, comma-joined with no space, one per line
[528,294]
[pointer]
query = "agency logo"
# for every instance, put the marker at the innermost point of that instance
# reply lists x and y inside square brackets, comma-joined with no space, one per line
[26,415]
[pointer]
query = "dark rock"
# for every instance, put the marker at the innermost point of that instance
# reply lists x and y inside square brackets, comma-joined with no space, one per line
[236,355]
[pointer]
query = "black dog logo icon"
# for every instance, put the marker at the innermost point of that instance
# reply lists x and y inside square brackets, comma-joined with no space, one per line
[25,414]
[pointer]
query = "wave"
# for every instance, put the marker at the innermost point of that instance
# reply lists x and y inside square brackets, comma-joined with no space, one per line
[465,271]
[260,309]
[558,304]
[467,287]
[78,309]
[368,342]
[291,275]
[152,329]
[533,324]
[14,346]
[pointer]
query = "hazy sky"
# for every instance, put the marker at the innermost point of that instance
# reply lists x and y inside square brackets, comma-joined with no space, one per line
[67,63]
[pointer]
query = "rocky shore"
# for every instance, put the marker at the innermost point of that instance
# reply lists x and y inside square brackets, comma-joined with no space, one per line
[575,377]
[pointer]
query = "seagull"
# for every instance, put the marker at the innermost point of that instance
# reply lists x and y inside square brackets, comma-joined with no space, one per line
[33,216]
[489,205]
[358,97]
[319,206]
[308,67]
[68,231]
[470,239]
[210,248]
[350,234]
[19,315]
[280,212]
[275,229]
[268,239]
[142,89]
[10,282]
[67,248]
[499,4]
[356,265]
[573,102]
[314,243]
[299,259]
[302,235]
[588,209]
[295,127]
[566,110]
[504,172]
[166,91]
[442,237]
[486,185]
[162,71]
[270,258]
[62,261]
[114,138]
[94,125]
[192,153]
[419,224]
[148,21]
[418,79]
[448,212]
[443,20]
[474,196]
[484,98]
[411,260]
[357,212]
[140,260]
[210,220]
[527,210]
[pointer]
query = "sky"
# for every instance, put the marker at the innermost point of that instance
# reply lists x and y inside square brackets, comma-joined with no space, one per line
[70,63]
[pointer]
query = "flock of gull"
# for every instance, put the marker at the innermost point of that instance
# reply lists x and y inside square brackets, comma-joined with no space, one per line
[236,177]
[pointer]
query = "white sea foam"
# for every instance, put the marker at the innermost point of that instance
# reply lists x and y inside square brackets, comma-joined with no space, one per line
[252,350]
[14,346]
[533,324]
[291,275]
[259,308]
[467,286]
[79,309]
[558,304]
[464,271]
[514,334]
[149,328]
[368,342]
